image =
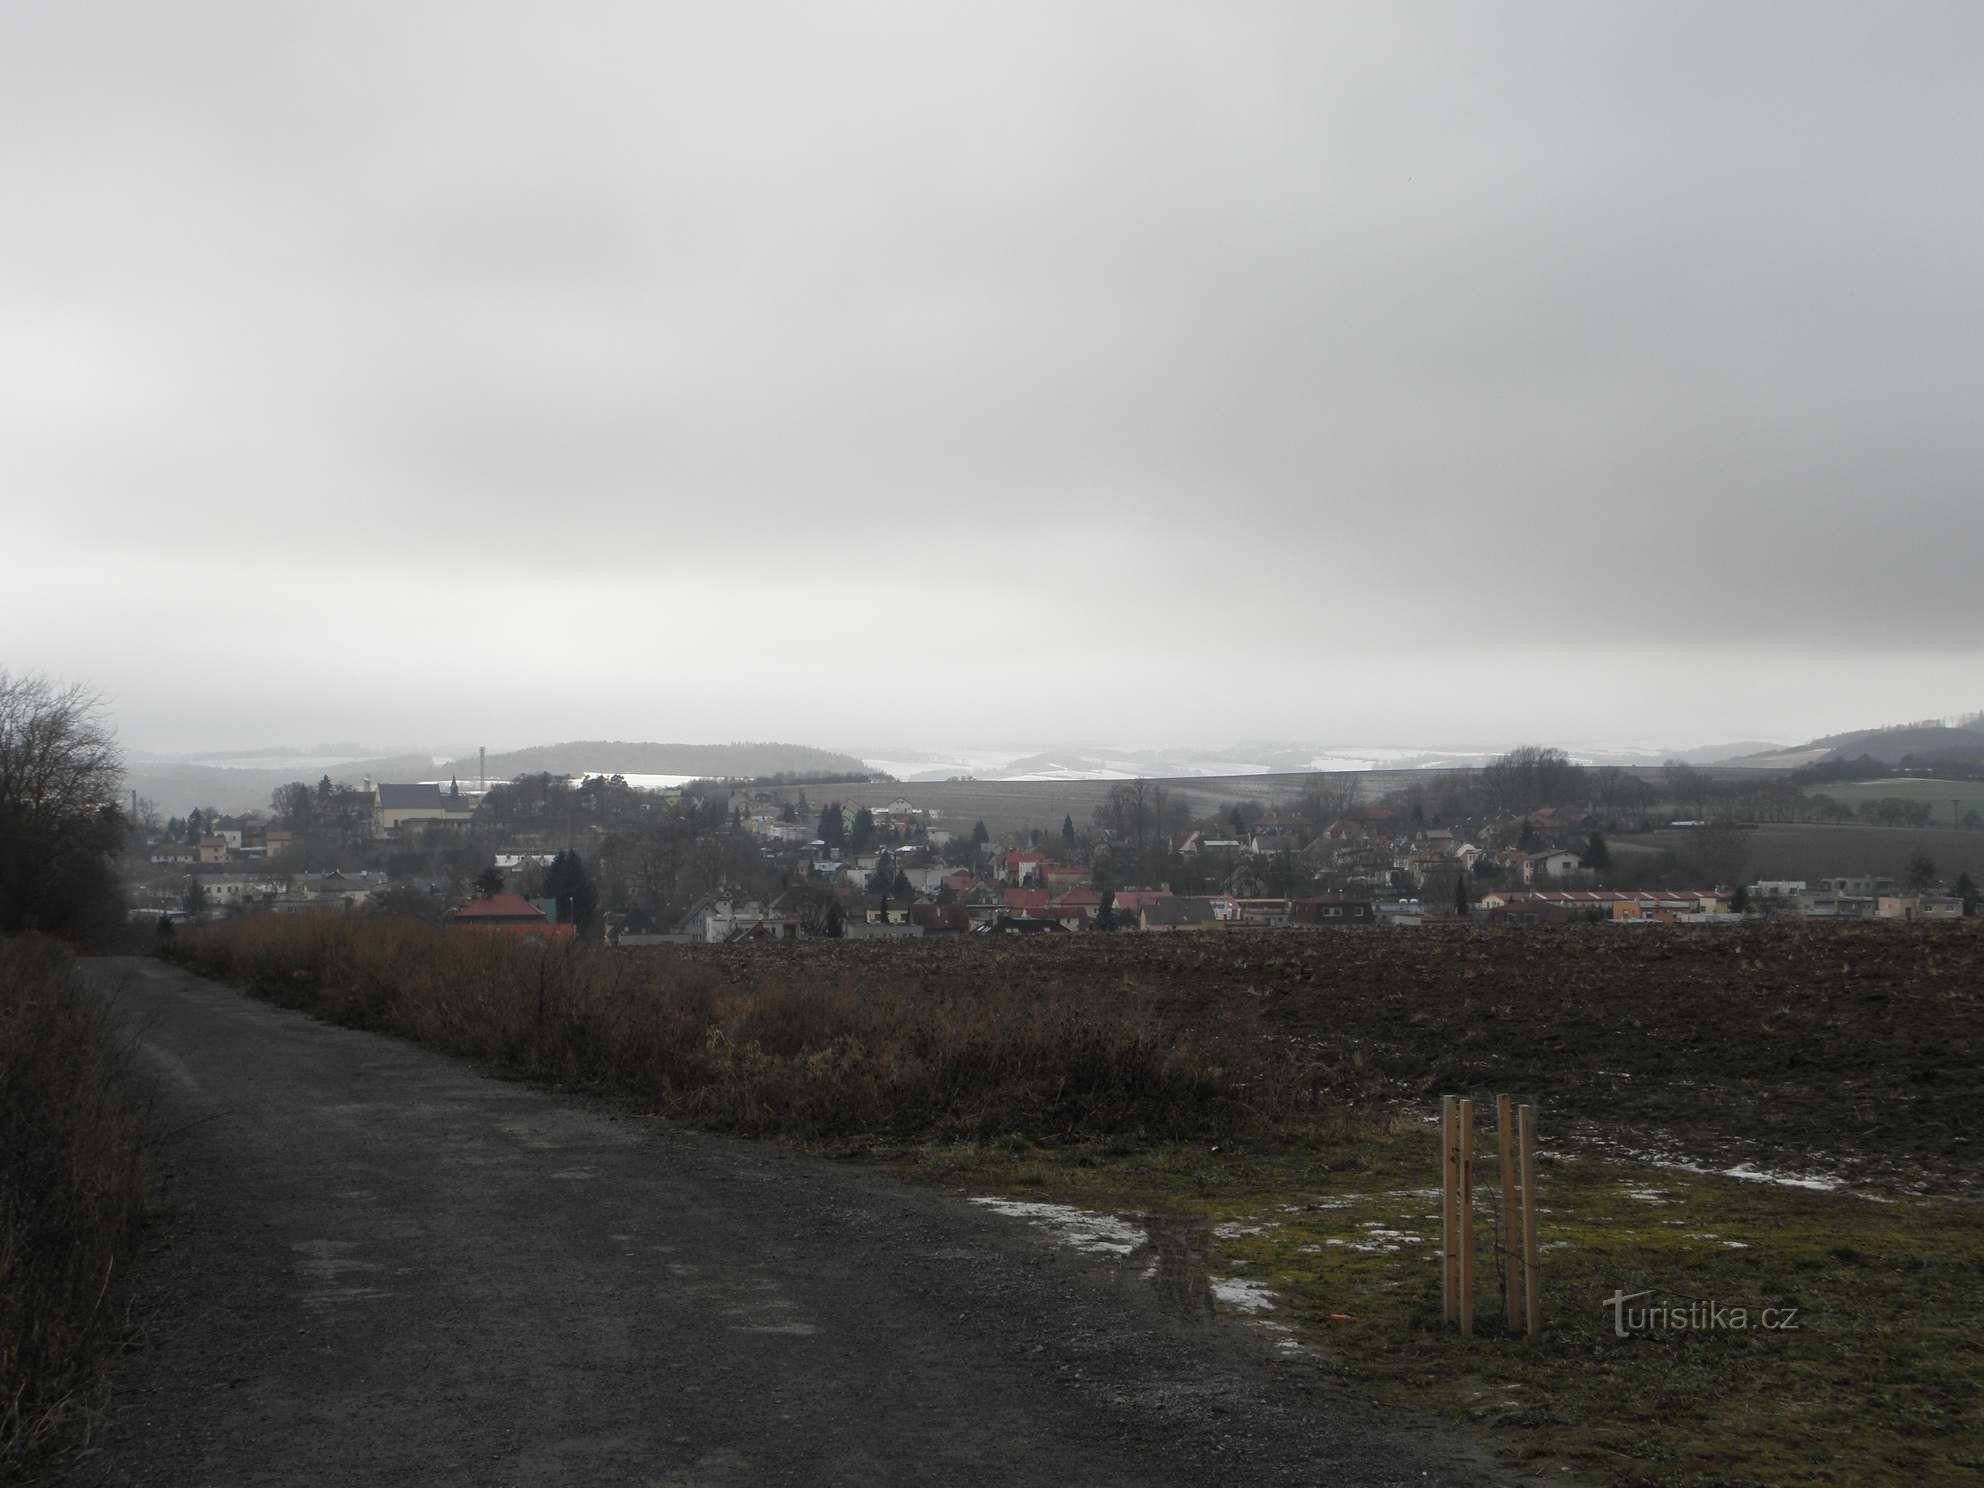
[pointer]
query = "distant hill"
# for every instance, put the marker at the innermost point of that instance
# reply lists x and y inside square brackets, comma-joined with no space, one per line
[620,757]
[1961,743]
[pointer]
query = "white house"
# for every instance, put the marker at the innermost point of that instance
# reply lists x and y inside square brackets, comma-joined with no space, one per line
[1551,866]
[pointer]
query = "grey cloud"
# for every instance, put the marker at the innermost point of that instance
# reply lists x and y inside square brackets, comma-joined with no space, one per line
[1428,328]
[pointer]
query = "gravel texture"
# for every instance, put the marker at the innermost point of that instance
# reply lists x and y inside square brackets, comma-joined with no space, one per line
[380,1266]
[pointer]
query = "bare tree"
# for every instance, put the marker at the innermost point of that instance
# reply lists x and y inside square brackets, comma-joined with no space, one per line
[60,825]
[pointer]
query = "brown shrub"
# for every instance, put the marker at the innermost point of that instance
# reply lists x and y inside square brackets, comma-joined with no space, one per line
[815,1047]
[71,1199]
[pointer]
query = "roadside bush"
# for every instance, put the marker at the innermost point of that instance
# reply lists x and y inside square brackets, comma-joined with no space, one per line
[821,1047]
[71,1200]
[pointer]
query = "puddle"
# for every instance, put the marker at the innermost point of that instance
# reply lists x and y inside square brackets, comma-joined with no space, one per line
[1078,1229]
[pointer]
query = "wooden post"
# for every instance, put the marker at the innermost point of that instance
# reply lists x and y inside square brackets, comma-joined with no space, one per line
[1447,1277]
[1526,1140]
[1465,1160]
[1511,1267]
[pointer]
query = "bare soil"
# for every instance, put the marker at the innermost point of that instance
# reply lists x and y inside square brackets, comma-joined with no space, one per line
[1852,1048]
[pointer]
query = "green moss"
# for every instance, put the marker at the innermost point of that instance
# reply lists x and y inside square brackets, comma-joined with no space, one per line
[1880,1382]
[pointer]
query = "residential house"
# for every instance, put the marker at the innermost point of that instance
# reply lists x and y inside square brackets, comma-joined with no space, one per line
[167,853]
[212,850]
[1918,907]
[1022,867]
[1331,912]
[1553,865]
[1261,912]
[509,914]
[419,806]
[1179,912]
[1822,905]
[1860,887]
[1764,890]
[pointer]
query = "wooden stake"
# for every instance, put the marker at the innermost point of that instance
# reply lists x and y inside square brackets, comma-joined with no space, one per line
[1511,1266]
[1465,1160]
[1526,1140]
[1447,1277]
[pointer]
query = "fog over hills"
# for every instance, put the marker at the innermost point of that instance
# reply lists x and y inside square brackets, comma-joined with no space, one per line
[243,779]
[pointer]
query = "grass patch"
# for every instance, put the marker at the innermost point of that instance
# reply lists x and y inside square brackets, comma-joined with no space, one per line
[72,1191]
[1880,1384]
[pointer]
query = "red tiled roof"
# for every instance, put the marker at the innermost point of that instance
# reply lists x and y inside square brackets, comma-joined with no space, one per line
[1026,899]
[1083,895]
[500,907]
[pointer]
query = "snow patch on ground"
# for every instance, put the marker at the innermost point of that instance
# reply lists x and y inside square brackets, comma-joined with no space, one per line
[1233,1229]
[1242,1295]
[1078,1229]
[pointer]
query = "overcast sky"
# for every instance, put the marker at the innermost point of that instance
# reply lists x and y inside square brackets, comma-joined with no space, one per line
[923,373]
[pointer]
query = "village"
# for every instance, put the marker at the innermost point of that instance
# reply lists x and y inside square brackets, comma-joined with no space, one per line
[718,862]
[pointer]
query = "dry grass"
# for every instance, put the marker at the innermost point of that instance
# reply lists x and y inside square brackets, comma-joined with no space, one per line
[72,1192]
[838,1053]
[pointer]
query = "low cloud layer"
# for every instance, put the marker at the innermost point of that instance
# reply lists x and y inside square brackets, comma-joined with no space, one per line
[915,372]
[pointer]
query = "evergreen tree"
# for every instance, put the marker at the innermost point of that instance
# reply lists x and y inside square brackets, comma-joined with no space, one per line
[832,828]
[489,882]
[836,921]
[1965,889]
[1105,914]
[1460,893]
[1596,853]
[864,831]
[979,836]
[568,882]
[902,886]
[194,900]
[1068,840]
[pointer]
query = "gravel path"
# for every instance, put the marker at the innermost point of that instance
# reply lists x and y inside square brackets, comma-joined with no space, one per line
[382,1267]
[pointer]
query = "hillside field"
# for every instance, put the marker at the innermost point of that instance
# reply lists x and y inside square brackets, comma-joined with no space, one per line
[1014,805]
[1809,851]
[1938,794]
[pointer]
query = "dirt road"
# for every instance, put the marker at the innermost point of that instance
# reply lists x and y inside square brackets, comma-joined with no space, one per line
[383,1267]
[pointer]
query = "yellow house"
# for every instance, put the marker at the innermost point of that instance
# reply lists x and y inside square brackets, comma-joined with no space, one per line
[417,806]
